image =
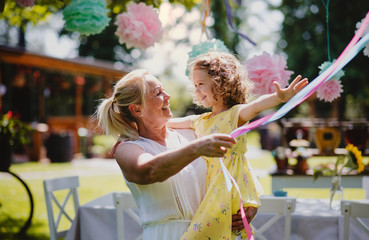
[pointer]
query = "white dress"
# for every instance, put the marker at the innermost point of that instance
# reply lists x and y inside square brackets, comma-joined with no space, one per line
[166,208]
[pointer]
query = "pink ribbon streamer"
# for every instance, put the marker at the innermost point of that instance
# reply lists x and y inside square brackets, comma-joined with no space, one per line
[325,76]
[227,176]
[303,95]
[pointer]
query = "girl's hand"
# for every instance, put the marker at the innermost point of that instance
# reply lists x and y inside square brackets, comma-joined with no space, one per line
[287,93]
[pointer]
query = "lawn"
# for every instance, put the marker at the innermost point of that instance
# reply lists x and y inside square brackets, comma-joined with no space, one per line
[98,177]
[95,180]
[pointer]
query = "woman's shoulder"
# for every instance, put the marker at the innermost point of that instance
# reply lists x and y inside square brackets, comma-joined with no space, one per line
[128,145]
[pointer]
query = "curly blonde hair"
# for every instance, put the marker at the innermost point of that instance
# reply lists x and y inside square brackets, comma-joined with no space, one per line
[229,76]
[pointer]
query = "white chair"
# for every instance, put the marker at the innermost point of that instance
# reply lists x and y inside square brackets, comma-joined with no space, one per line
[279,206]
[124,202]
[61,202]
[355,210]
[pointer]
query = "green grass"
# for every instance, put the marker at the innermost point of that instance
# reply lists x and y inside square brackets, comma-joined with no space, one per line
[96,181]
[15,207]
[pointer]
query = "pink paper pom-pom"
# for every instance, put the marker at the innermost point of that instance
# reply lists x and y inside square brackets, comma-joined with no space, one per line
[26,3]
[139,27]
[264,70]
[330,90]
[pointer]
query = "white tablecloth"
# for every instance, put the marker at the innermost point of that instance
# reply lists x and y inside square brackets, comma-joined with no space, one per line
[96,220]
[312,220]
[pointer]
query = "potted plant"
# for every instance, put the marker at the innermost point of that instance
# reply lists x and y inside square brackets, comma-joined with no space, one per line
[13,133]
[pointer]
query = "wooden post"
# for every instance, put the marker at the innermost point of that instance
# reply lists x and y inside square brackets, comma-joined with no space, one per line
[41,97]
[1,103]
[80,82]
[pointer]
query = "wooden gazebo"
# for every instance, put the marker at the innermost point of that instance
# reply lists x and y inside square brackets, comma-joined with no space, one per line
[79,69]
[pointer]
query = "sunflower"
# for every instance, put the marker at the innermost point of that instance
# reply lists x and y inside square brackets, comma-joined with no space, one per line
[355,155]
[352,160]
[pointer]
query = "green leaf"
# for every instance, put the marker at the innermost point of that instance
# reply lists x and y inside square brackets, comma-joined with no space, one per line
[317,173]
[340,160]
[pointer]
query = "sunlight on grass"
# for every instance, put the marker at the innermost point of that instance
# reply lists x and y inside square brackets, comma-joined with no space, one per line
[253,139]
[15,201]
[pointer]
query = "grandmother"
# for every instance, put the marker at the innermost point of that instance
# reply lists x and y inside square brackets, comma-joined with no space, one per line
[161,167]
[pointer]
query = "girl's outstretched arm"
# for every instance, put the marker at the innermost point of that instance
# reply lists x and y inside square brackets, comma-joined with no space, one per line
[183,122]
[252,109]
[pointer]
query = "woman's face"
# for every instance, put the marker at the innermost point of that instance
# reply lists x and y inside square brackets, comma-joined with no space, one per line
[204,88]
[157,102]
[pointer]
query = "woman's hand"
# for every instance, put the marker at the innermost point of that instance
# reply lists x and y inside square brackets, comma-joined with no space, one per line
[287,93]
[214,145]
[237,224]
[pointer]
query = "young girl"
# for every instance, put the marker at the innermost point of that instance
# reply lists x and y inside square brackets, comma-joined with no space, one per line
[221,82]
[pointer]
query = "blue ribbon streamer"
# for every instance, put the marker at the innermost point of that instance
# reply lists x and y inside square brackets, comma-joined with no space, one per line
[298,98]
[306,91]
[226,176]
[229,15]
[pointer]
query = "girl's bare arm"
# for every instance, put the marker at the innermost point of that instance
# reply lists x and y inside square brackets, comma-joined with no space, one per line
[250,110]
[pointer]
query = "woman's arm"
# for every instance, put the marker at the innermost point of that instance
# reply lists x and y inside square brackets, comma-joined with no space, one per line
[250,110]
[141,167]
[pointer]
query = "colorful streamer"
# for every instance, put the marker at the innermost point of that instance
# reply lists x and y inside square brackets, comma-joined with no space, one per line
[205,15]
[228,177]
[352,49]
[229,15]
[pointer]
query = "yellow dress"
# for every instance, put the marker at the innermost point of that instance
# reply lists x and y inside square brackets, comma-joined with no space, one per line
[213,219]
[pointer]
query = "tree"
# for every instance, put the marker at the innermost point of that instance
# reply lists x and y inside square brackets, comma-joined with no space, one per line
[100,45]
[20,16]
[304,40]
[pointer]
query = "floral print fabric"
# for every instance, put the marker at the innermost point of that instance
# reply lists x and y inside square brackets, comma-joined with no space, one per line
[213,219]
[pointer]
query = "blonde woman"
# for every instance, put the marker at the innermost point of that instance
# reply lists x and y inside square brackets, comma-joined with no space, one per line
[161,168]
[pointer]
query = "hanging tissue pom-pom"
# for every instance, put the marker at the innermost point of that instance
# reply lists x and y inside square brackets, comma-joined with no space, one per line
[264,70]
[366,49]
[326,65]
[329,90]
[26,3]
[204,47]
[87,17]
[139,27]
[332,88]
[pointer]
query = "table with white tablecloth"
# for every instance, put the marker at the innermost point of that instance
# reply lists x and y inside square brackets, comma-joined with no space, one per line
[312,219]
[96,220]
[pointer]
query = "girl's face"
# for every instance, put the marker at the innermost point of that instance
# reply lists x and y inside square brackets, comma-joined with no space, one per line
[157,102]
[204,88]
